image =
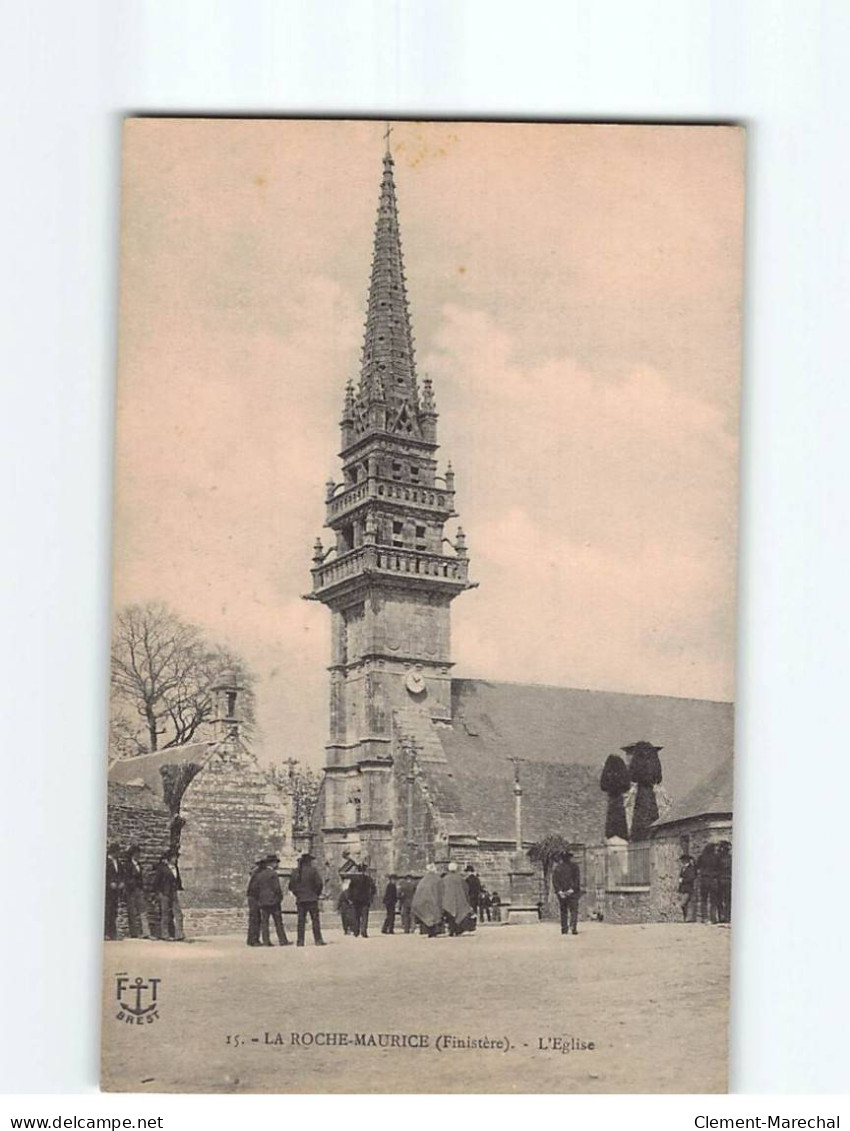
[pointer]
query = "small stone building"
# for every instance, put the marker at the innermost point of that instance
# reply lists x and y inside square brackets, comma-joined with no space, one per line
[214,802]
[639,882]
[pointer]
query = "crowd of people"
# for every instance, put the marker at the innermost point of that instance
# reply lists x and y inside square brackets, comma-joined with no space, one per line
[126,880]
[437,903]
[434,904]
[440,902]
[705,884]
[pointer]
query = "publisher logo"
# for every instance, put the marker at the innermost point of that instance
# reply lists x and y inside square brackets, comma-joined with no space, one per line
[137,999]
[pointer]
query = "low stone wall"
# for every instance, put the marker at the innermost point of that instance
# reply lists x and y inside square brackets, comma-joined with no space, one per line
[199,922]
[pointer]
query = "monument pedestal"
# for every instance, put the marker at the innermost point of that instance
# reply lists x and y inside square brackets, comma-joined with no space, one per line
[525,893]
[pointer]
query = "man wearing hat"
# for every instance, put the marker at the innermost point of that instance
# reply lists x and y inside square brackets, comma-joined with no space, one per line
[473,888]
[269,896]
[406,891]
[134,893]
[306,885]
[113,890]
[687,886]
[167,885]
[361,891]
[253,905]
[390,904]
[566,880]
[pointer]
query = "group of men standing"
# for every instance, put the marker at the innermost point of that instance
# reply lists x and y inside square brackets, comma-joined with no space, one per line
[126,880]
[485,904]
[265,901]
[355,902]
[705,884]
[435,902]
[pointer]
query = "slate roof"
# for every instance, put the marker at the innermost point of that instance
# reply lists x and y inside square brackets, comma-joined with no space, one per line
[711,797]
[135,796]
[144,770]
[564,735]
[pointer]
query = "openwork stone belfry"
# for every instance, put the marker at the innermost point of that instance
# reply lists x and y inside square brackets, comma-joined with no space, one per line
[391,572]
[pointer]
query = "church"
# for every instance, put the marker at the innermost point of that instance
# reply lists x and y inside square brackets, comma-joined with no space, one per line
[421,766]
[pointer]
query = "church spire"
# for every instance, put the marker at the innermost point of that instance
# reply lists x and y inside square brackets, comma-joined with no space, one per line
[388,373]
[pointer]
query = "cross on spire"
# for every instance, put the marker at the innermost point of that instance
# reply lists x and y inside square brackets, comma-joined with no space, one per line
[387,131]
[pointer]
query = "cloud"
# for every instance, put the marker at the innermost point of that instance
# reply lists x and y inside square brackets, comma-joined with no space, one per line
[576,295]
[601,518]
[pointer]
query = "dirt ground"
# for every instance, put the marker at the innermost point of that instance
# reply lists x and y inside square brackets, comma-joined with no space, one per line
[651,1000]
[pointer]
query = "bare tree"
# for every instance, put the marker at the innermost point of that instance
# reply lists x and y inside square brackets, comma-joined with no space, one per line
[163,673]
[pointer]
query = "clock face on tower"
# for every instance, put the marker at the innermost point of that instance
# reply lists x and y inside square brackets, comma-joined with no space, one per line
[415,683]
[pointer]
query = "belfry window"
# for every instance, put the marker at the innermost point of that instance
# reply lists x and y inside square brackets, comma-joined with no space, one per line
[420,538]
[398,534]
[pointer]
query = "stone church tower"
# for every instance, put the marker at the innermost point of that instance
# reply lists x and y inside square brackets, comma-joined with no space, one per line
[389,576]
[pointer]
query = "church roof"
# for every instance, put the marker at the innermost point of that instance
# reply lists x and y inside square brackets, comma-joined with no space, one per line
[562,736]
[145,769]
[711,797]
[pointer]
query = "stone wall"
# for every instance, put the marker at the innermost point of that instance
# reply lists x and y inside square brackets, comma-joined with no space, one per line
[495,864]
[658,901]
[134,815]
[233,816]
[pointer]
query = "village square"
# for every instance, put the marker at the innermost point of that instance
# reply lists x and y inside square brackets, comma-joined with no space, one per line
[543,871]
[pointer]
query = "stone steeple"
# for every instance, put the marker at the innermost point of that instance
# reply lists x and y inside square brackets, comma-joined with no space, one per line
[391,572]
[387,397]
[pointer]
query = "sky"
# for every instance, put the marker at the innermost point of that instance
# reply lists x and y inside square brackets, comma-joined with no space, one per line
[575,294]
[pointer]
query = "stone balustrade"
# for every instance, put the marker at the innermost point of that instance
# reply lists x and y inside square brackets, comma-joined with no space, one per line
[435,498]
[391,561]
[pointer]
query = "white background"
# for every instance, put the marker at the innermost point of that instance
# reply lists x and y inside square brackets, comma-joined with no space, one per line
[69,70]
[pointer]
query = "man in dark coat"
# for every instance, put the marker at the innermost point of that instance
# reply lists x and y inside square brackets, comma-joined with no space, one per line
[406,891]
[724,882]
[566,880]
[707,876]
[114,883]
[484,904]
[473,889]
[361,891]
[253,905]
[269,900]
[346,913]
[390,901]
[167,886]
[134,893]
[306,885]
[496,905]
[687,884]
